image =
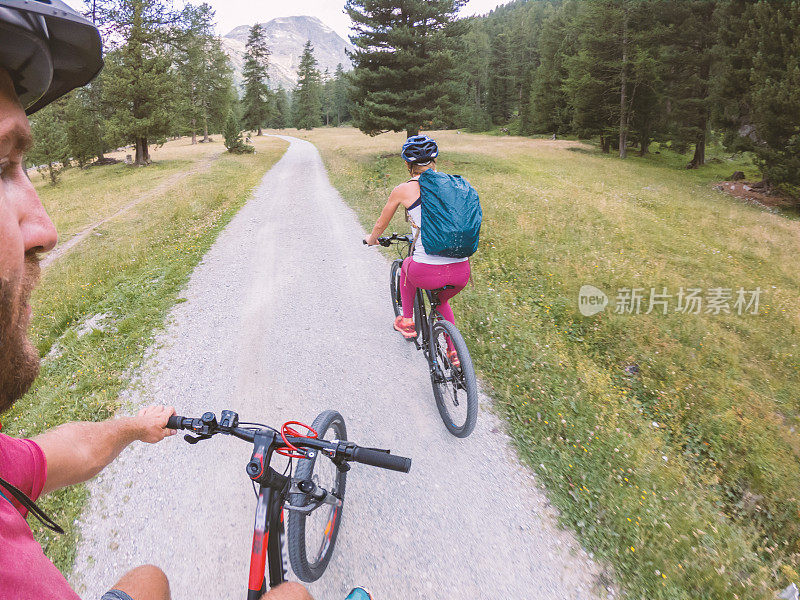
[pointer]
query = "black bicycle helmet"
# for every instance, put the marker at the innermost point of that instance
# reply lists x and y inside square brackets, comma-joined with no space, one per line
[420,150]
[48,49]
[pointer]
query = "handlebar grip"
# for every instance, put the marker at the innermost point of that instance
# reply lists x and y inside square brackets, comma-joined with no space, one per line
[382,459]
[175,422]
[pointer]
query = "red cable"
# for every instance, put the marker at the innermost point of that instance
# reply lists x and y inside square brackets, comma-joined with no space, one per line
[291,450]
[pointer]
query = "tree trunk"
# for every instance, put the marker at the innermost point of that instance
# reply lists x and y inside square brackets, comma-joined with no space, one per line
[605,144]
[699,158]
[259,130]
[411,131]
[644,145]
[52,172]
[623,88]
[205,127]
[142,152]
[194,131]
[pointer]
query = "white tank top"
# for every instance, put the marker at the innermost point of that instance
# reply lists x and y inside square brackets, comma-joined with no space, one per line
[420,256]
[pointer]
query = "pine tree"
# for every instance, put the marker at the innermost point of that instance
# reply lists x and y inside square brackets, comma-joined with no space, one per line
[203,69]
[282,115]
[306,100]
[218,91]
[525,29]
[402,62]
[194,26]
[256,99]
[51,150]
[549,110]
[687,60]
[233,136]
[138,81]
[83,126]
[326,96]
[341,98]
[501,82]
[760,44]
[614,58]
[473,69]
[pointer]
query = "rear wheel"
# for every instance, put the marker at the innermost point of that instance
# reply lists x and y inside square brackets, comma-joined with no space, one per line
[455,388]
[312,536]
[394,287]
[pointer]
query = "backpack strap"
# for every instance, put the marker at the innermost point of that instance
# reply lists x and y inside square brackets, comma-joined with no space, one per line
[409,219]
[414,243]
[23,499]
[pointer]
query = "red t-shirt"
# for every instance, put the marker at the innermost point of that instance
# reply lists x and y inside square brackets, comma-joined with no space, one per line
[25,572]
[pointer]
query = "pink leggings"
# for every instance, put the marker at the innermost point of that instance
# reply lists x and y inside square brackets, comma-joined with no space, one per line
[429,277]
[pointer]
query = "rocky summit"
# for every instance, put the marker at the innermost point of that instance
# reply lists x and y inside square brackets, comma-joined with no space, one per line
[286,37]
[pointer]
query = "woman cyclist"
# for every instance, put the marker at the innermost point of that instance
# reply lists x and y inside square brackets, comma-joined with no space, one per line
[421,270]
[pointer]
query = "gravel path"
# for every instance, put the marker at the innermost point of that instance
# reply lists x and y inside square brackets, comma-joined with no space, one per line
[287,315]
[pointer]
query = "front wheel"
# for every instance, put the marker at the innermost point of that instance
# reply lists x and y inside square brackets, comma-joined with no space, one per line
[454,387]
[312,536]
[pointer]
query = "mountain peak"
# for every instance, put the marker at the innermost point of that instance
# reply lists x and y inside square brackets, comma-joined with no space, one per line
[286,37]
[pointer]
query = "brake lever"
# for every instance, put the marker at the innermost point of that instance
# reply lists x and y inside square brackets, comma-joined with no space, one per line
[337,458]
[194,440]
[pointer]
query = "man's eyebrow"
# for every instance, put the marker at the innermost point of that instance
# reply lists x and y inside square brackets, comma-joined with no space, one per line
[19,136]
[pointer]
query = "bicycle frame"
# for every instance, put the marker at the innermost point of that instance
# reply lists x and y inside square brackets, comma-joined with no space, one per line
[267,550]
[425,318]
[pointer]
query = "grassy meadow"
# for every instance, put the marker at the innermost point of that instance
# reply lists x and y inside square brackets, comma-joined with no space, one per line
[127,275]
[668,441]
[85,196]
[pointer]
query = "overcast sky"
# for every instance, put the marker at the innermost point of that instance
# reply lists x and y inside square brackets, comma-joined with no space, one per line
[231,13]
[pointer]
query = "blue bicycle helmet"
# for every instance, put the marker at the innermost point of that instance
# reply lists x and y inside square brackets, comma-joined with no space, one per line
[420,150]
[48,49]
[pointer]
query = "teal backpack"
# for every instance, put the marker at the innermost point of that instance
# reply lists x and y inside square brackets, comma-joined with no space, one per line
[451,215]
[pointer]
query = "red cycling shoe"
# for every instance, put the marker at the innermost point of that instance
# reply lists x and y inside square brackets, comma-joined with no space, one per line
[405,327]
[452,356]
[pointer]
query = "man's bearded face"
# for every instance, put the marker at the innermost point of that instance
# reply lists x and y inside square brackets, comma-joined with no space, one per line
[25,230]
[19,360]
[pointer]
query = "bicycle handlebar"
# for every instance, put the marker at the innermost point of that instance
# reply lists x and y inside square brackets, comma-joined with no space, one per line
[343,450]
[382,459]
[387,241]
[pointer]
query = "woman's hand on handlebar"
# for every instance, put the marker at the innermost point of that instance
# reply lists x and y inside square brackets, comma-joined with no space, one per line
[371,240]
